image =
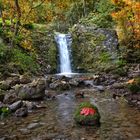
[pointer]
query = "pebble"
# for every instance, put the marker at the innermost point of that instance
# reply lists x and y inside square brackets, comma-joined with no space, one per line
[25,131]
[33,125]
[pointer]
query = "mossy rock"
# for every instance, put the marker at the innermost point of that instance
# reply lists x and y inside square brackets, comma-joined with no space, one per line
[4,85]
[90,119]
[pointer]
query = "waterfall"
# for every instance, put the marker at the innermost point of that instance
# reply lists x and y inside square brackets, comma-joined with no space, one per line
[64,43]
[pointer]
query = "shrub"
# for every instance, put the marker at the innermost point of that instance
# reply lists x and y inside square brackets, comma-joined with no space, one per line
[120,71]
[134,87]
[104,57]
[4,111]
[5,54]
[25,62]
[101,20]
[121,63]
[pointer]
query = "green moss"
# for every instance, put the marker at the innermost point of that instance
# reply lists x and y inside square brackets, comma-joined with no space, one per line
[120,71]
[5,54]
[121,63]
[23,96]
[4,86]
[25,62]
[52,57]
[104,57]
[87,120]
[4,111]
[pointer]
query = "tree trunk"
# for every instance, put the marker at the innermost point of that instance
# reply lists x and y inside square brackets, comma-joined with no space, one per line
[18,11]
[84,8]
[1,12]
[18,17]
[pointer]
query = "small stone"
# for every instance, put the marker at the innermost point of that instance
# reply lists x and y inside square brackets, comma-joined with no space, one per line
[3,138]
[100,88]
[138,102]
[2,123]
[74,82]
[22,112]
[33,125]
[13,107]
[134,101]
[83,139]
[118,85]
[25,131]
[30,105]
[88,83]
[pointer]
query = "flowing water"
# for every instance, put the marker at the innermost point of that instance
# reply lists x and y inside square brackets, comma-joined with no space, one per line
[119,121]
[64,43]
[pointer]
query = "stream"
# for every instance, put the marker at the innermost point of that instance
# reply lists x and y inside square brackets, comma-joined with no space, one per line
[119,121]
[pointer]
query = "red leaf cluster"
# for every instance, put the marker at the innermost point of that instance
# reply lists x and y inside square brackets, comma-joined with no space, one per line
[87,111]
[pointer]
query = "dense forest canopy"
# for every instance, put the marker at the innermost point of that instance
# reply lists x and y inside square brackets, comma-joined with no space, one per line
[20,14]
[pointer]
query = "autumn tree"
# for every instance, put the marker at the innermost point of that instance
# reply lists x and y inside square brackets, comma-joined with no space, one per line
[19,14]
[127,17]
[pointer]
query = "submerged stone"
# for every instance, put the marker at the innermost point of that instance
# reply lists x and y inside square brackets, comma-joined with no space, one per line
[22,112]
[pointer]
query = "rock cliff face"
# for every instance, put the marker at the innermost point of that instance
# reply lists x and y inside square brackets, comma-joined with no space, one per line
[93,48]
[45,45]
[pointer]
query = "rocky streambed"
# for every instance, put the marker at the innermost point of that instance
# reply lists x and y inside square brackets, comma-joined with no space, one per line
[42,108]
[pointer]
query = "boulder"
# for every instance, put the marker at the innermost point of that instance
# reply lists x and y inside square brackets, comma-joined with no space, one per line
[34,90]
[87,114]
[74,82]
[9,83]
[49,94]
[25,79]
[10,98]
[30,105]
[60,85]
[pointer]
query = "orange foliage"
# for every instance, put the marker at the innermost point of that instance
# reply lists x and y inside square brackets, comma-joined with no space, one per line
[130,81]
[128,20]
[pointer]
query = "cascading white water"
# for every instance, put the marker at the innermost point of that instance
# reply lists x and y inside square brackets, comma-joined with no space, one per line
[64,55]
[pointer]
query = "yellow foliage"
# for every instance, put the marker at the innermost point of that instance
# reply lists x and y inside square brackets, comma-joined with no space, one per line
[128,20]
[27,45]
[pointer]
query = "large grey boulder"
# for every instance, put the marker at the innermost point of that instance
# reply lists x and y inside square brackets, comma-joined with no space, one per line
[34,90]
